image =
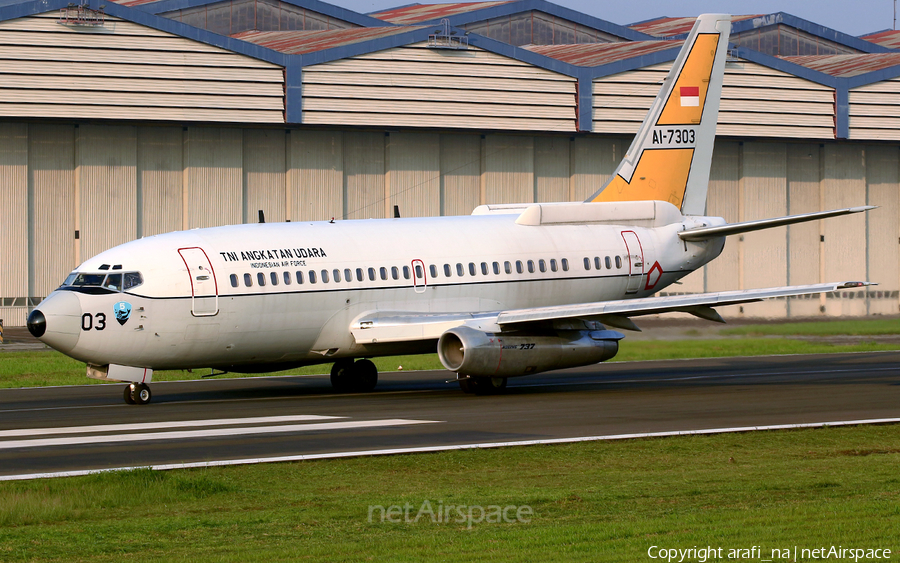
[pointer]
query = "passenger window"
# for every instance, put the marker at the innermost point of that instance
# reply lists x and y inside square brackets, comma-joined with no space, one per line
[565,264]
[337,275]
[371,274]
[587,263]
[432,268]
[234,281]
[133,279]
[459,270]
[553,264]
[608,264]
[419,272]
[496,266]
[507,267]
[348,275]
[312,276]
[395,272]
[519,268]
[359,274]
[618,262]
[406,272]
[484,269]
[113,282]
[471,268]
[299,277]
[531,266]
[274,277]
[383,272]
[261,279]
[324,276]
[542,265]
[447,272]
[597,262]
[248,280]
[287,278]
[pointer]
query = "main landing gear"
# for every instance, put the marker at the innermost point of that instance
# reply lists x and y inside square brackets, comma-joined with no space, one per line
[348,376]
[482,385]
[137,394]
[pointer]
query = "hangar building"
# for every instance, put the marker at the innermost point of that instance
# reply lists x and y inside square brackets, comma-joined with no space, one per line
[141,117]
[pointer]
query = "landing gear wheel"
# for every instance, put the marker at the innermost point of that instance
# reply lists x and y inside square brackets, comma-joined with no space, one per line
[128,392]
[483,385]
[366,376]
[342,374]
[141,394]
[348,376]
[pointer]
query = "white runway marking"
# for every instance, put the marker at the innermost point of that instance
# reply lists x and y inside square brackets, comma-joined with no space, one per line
[212,433]
[160,425]
[431,449]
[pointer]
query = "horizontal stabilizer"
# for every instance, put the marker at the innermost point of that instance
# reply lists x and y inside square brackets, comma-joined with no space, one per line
[704,233]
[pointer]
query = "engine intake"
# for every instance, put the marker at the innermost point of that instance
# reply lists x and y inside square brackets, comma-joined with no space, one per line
[471,352]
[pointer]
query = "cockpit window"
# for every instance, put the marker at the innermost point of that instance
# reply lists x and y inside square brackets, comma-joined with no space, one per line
[110,282]
[89,279]
[132,279]
[113,282]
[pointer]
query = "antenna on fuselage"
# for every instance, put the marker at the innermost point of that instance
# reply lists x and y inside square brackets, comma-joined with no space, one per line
[396,212]
[262,216]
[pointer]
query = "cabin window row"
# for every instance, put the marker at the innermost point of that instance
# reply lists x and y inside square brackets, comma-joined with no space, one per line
[347,274]
[607,261]
[287,278]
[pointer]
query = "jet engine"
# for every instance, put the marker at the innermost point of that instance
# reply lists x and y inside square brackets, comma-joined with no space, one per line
[471,352]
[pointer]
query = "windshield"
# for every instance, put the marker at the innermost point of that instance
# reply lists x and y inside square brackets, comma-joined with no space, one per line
[113,282]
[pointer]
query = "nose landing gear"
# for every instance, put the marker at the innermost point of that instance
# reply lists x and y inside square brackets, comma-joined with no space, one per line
[138,394]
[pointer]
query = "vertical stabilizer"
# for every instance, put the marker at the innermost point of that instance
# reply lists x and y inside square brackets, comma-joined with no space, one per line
[670,156]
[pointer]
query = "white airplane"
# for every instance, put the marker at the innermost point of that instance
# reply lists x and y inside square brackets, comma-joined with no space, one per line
[509,291]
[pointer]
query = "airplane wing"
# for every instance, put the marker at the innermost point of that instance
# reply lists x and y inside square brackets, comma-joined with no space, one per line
[400,326]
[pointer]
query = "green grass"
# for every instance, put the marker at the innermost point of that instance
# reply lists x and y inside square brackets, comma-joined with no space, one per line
[867,327]
[597,501]
[43,368]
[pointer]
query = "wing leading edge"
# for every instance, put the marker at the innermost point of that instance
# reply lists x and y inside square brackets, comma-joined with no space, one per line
[400,326]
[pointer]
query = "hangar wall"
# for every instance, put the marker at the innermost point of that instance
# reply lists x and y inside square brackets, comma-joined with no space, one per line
[114,183]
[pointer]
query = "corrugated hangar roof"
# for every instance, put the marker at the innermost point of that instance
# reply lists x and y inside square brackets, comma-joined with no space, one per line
[846,66]
[417,13]
[301,42]
[668,27]
[889,38]
[596,54]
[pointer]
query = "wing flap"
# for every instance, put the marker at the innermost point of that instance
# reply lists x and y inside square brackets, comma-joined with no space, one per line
[698,304]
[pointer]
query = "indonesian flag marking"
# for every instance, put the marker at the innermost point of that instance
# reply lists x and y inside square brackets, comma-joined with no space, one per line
[690,96]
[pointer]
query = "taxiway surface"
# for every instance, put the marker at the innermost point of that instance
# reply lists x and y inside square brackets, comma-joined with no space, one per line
[66,429]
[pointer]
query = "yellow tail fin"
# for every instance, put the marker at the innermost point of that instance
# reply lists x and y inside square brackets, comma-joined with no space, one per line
[670,156]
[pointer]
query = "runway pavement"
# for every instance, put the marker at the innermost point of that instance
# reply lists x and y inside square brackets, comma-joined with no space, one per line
[73,429]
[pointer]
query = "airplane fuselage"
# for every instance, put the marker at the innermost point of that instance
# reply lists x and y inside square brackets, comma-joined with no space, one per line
[259,297]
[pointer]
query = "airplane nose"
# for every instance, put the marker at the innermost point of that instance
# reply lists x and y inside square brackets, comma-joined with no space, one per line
[57,321]
[36,323]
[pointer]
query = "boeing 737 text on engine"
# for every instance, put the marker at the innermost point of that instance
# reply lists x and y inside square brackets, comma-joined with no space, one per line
[508,291]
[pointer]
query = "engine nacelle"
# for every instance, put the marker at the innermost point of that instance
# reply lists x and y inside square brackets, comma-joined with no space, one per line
[471,352]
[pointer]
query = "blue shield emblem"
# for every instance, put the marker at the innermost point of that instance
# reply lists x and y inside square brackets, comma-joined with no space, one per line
[122,310]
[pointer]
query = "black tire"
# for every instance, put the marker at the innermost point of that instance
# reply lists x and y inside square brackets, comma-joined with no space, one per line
[128,398]
[365,376]
[488,385]
[342,374]
[467,385]
[141,394]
